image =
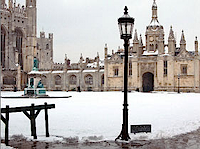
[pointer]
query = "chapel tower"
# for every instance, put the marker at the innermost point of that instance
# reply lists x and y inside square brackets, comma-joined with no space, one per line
[31,30]
[154,33]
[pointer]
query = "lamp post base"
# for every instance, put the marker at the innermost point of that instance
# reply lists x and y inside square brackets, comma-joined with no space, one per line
[123,135]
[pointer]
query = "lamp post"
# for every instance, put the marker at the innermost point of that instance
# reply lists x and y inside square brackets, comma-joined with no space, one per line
[178,83]
[125,27]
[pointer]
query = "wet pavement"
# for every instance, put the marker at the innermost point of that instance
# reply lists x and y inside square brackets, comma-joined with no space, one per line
[190,140]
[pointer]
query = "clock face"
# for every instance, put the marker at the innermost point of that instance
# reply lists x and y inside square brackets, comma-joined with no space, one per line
[151,38]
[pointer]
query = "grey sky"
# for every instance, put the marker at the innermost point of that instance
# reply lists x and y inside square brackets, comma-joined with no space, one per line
[84,26]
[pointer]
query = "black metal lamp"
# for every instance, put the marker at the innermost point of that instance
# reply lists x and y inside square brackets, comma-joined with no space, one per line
[126,27]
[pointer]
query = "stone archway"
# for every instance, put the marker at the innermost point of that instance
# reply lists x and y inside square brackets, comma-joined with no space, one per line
[148,82]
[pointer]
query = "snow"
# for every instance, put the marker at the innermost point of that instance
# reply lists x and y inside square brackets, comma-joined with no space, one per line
[73,71]
[57,71]
[38,72]
[146,53]
[99,114]
[85,71]
[3,146]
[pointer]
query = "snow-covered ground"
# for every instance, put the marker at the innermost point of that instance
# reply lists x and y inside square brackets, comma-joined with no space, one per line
[98,115]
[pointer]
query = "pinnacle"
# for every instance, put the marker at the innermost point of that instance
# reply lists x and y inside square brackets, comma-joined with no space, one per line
[135,36]
[171,33]
[182,37]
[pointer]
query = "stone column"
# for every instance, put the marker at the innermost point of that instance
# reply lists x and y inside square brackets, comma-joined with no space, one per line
[19,77]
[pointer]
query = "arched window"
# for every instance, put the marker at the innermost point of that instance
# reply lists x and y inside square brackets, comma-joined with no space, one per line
[72,80]
[151,47]
[47,46]
[57,80]
[156,47]
[102,79]
[3,37]
[19,37]
[88,79]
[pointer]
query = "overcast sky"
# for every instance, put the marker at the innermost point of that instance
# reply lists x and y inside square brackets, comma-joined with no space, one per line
[84,26]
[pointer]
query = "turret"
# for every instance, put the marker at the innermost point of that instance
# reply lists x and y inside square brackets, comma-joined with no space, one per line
[51,43]
[65,64]
[140,47]
[196,46]
[81,62]
[106,51]
[183,42]
[42,34]
[31,31]
[135,43]
[30,3]
[10,4]
[154,10]
[31,13]
[98,65]
[171,42]
[160,44]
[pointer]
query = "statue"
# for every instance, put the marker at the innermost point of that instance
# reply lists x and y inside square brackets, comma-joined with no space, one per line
[40,85]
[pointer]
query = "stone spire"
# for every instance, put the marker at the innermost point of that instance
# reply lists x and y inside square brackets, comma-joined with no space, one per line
[140,47]
[154,20]
[196,46]
[171,42]
[10,3]
[182,42]
[154,10]
[81,62]
[140,41]
[171,34]
[98,61]
[65,64]
[182,38]
[135,37]
[135,43]
[106,51]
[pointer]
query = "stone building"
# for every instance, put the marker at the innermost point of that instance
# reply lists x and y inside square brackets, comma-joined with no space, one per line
[19,43]
[86,75]
[19,46]
[156,66]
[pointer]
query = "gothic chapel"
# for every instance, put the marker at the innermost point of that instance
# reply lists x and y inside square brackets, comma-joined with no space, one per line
[19,43]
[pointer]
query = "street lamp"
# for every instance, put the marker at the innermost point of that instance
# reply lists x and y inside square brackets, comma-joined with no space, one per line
[125,27]
[178,83]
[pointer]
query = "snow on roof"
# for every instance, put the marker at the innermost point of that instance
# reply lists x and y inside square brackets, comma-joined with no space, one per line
[94,65]
[146,53]
[73,71]
[89,70]
[57,71]
[38,72]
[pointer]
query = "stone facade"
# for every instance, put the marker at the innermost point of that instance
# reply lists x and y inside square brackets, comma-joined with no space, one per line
[156,66]
[86,75]
[19,43]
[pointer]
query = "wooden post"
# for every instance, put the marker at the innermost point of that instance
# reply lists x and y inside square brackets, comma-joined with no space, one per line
[33,123]
[46,120]
[7,125]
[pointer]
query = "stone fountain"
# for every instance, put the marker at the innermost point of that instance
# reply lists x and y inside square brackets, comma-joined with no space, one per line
[35,87]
